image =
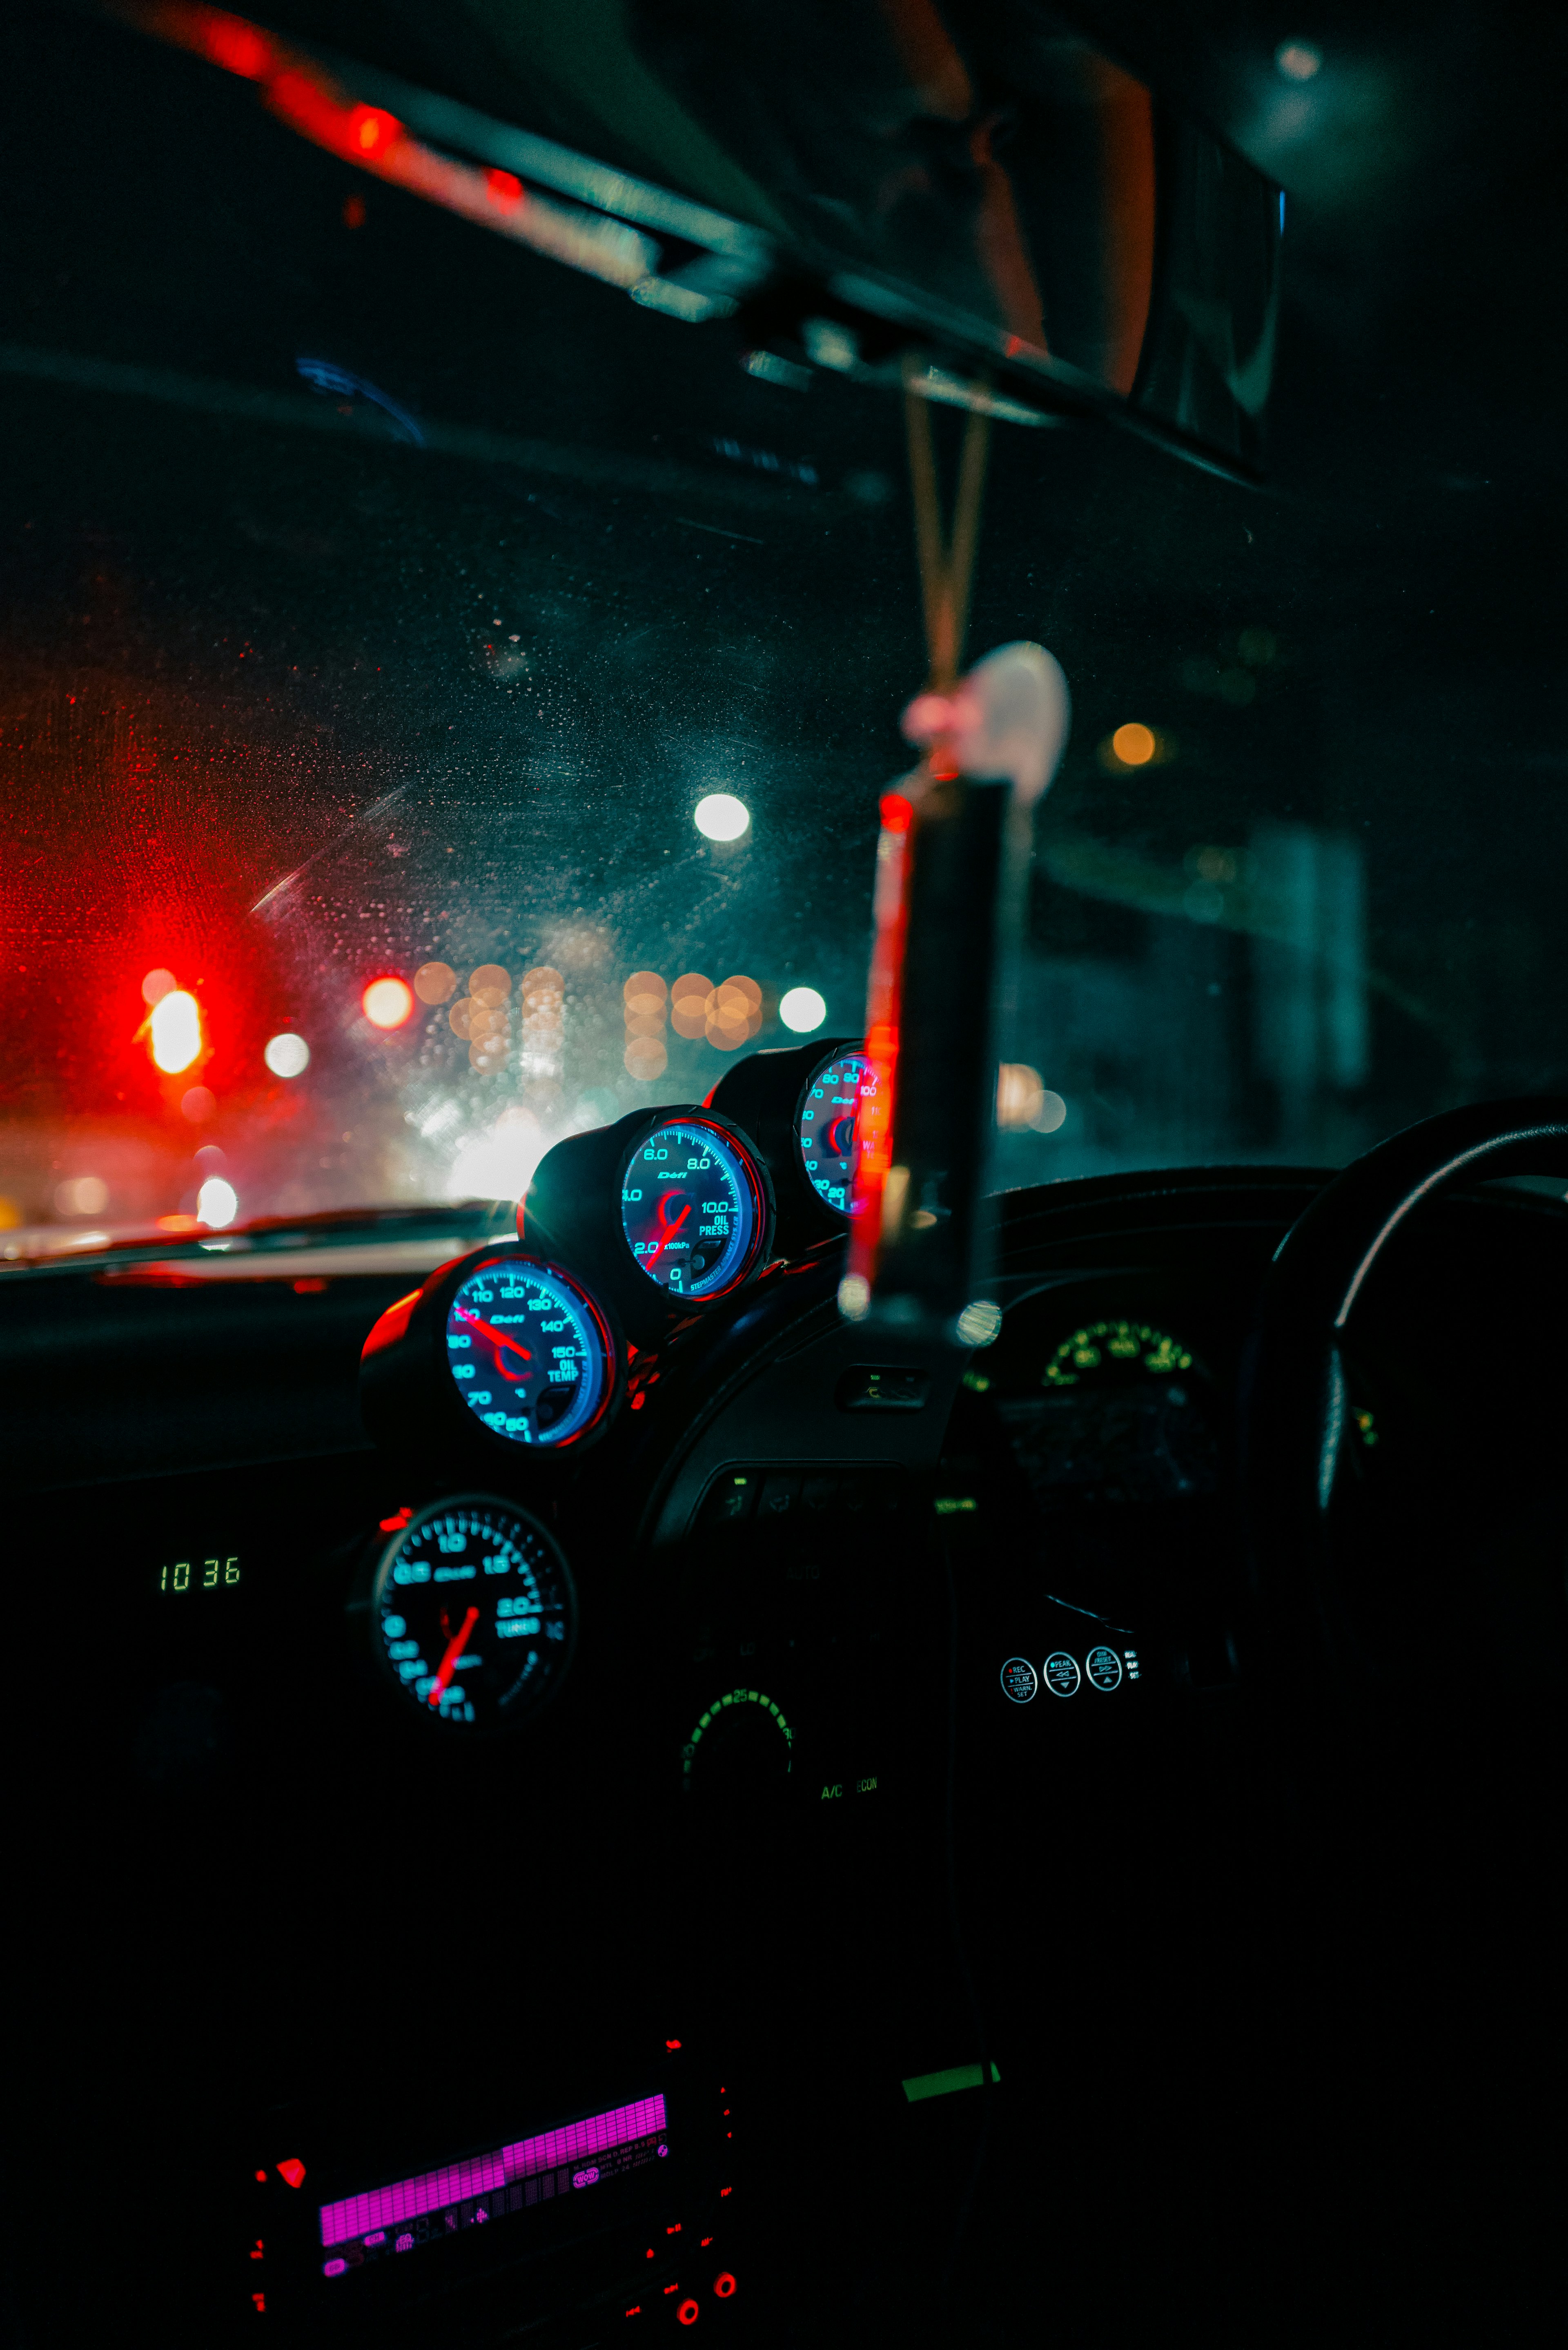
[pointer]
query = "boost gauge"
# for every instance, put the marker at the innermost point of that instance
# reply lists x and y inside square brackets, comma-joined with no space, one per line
[668,1211]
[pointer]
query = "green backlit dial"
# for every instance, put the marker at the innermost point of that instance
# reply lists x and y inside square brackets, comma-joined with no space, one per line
[1100,1349]
[745,1738]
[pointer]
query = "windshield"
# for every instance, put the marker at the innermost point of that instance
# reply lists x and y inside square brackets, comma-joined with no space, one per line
[445,706]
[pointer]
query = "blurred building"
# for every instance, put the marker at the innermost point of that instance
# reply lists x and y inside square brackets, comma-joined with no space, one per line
[1310,1031]
[1185,1021]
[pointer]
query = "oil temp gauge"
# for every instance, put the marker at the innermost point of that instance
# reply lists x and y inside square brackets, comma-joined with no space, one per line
[528,1350]
[500,1354]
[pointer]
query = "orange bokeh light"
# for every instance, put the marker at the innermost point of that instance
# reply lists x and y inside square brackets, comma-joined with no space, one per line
[1134,746]
[435,982]
[491,984]
[388,1003]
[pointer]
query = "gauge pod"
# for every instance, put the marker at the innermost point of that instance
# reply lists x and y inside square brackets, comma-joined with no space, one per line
[801,1104]
[668,1211]
[500,1354]
[474,1616]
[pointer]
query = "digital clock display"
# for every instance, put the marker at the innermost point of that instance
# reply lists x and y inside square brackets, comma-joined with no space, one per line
[184,1575]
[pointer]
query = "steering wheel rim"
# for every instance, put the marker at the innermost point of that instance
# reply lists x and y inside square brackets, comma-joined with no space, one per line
[1292,1397]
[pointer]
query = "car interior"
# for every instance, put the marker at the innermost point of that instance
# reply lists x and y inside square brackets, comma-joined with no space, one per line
[783,1147]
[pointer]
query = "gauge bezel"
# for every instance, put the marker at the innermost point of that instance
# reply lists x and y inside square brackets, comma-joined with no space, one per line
[572,1210]
[767,1092]
[407,1395]
[507,1253]
[470,1733]
[840,1217]
[750,1160]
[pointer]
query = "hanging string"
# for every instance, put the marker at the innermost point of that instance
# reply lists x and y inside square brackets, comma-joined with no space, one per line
[947,566]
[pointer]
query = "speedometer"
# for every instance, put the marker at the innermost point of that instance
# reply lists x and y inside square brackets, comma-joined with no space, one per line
[1107,1350]
[1113,1409]
[528,1350]
[690,1208]
[473,1615]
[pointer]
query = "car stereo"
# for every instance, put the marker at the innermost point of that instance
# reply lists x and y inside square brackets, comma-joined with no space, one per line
[618,2216]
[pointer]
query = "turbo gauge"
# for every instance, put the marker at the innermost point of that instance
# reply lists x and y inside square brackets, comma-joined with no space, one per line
[472,1613]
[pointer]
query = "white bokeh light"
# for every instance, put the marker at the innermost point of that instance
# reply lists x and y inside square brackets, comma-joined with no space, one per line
[1298,61]
[721,816]
[979,1323]
[855,1297]
[498,1164]
[85,1195]
[803,1010]
[217,1203]
[1024,1100]
[286,1056]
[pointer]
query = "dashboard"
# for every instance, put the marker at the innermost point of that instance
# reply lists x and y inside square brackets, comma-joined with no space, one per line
[684,1816]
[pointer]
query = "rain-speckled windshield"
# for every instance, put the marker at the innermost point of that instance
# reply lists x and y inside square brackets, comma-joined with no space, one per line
[445,706]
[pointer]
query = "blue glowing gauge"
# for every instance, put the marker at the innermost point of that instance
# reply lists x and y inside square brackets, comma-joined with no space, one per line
[826,1127]
[691,1208]
[529,1352]
[472,1613]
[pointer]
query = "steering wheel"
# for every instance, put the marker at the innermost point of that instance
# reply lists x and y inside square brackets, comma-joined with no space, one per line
[1293,1400]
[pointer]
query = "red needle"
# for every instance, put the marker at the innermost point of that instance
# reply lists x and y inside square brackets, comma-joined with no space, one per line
[670,1236]
[454,1649]
[497,1337]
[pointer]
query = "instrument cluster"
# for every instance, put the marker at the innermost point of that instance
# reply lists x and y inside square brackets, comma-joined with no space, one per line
[512,1364]
[1092,1449]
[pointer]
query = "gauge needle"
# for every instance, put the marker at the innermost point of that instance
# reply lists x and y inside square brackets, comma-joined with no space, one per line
[497,1339]
[670,1236]
[454,1649]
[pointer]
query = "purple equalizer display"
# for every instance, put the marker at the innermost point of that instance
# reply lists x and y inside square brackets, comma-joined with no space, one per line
[485,2187]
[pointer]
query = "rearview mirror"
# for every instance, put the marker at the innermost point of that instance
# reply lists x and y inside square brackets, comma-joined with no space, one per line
[973,200]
